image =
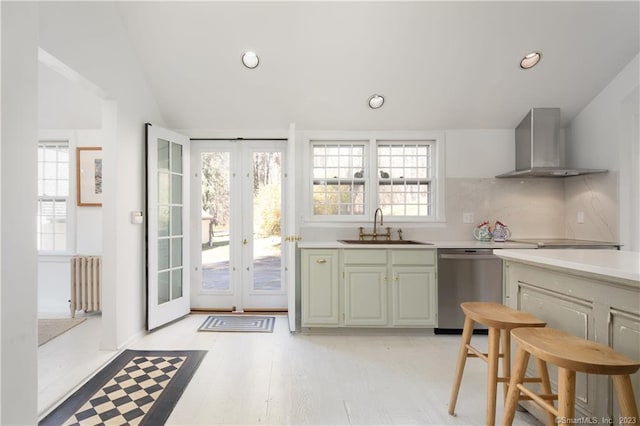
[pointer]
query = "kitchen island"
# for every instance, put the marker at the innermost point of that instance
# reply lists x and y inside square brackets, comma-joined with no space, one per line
[594,294]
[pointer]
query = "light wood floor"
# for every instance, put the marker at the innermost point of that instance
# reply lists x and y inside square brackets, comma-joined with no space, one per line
[354,378]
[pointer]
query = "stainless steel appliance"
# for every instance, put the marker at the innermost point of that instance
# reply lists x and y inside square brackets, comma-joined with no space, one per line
[465,275]
[538,148]
[566,243]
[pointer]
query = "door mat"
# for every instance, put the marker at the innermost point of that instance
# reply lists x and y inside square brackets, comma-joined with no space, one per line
[136,388]
[238,323]
[50,328]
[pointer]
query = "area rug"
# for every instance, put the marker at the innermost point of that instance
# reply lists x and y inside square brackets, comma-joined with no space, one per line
[238,323]
[50,328]
[136,388]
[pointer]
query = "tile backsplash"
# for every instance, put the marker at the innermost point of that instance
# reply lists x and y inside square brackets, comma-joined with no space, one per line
[596,197]
[529,207]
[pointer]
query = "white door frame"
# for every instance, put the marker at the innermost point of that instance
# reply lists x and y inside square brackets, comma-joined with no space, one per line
[241,256]
[291,228]
[220,299]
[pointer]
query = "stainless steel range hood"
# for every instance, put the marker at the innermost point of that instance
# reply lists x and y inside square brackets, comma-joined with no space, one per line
[538,150]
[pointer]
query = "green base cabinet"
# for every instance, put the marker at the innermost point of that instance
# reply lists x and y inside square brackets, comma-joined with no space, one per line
[375,288]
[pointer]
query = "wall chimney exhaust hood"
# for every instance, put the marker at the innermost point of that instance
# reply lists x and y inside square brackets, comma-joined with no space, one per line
[538,149]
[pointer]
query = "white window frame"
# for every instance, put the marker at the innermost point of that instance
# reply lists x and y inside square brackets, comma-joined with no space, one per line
[68,137]
[366,144]
[437,138]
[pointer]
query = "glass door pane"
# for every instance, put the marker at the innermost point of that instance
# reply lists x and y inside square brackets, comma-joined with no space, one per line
[215,223]
[267,221]
[169,229]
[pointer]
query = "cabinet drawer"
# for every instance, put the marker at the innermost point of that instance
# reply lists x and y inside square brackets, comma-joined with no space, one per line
[413,257]
[365,257]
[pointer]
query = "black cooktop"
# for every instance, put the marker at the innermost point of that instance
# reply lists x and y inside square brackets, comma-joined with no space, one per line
[564,242]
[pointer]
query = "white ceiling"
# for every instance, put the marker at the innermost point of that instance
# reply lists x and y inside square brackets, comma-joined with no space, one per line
[440,65]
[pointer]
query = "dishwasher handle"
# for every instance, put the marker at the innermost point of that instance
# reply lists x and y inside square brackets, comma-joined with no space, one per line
[469,256]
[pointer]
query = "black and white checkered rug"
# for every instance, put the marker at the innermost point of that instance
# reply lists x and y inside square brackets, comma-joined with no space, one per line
[136,388]
[238,323]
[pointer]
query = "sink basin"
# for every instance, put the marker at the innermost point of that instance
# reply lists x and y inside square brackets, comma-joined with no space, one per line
[384,242]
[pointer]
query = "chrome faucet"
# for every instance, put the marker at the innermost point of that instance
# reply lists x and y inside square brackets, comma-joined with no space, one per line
[375,220]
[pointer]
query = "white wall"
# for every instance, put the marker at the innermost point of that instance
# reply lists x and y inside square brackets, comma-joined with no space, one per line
[65,104]
[90,39]
[480,153]
[605,135]
[18,227]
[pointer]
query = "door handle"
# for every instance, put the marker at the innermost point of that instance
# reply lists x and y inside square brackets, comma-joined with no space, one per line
[244,242]
[321,261]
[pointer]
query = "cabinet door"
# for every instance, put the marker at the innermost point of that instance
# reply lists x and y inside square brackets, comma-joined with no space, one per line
[365,295]
[568,313]
[414,297]
[319,288]
[625,339]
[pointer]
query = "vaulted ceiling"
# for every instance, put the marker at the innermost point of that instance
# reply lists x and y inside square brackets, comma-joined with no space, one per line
[440,65]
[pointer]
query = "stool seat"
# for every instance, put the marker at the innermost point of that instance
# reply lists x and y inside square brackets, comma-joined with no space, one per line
[570,354]
[573,353]
[499,316]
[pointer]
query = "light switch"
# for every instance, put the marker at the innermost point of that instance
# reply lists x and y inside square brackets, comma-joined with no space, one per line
[467,218]
[136,217]
[580,217]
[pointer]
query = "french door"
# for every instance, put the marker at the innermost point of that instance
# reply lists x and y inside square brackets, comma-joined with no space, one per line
[236,225]
[167,224]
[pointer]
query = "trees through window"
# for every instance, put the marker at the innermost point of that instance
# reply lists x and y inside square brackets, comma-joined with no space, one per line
[350,178]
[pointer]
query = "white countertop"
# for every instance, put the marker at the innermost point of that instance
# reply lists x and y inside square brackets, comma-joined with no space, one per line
[611,263]
[332,244]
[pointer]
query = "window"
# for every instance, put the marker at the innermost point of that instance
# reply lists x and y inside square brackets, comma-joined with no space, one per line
[402,175]
[338,178]
[404,184]
[53,195]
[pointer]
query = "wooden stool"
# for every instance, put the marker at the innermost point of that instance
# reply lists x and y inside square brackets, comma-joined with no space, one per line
[570,354]
[499,319]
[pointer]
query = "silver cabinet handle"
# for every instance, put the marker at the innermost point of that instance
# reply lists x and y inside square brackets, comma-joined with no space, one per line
[321,261]
[469,256]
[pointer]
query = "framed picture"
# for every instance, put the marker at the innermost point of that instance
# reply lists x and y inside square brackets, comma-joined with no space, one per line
[89,176]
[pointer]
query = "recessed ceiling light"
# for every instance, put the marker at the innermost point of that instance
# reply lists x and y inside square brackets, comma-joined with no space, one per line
[531,60]
[376,101]
[250,60]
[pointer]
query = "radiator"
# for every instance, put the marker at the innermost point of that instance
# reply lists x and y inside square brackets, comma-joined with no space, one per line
[86,284]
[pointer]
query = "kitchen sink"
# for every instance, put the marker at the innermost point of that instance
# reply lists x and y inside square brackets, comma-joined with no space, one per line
[383,242]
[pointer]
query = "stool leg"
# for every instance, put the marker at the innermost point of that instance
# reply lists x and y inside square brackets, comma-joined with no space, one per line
[517,376]
[566,394]
[506,359]
[626,400]
[545,386]
[467,331]
[492,374]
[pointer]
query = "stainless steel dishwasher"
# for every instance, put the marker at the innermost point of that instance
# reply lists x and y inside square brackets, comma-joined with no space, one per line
[465,275]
